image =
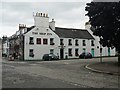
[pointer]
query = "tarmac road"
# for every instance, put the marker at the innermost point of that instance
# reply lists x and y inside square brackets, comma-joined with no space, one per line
[55,74]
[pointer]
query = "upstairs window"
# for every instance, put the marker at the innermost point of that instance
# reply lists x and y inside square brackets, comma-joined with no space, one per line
[76,43]
[31,54]
[52,41]
[61,42]
[70,42]
[38,40]
[70,51]
[31,40]
[92,43]
[45,41]
[84,43]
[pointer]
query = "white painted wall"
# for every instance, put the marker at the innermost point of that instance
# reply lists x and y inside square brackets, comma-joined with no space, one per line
[97,50]
[6,48]
[40,50]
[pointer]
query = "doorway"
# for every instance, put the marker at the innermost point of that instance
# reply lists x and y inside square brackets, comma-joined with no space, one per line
[61,53]
[92,52]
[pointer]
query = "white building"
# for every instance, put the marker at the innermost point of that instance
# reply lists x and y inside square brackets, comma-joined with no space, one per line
[105,50]
[0,48]
[5,46]
[44,37]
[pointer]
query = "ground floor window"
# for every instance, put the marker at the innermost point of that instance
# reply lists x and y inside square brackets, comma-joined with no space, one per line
[84,49]
[51,51]
[31,53]
[76,52]
[70,51]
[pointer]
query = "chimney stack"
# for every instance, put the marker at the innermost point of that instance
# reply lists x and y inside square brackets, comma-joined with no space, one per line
[52,24]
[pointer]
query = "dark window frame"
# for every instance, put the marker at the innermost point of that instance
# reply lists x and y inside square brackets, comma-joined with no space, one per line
[31,52]
[76,52]
[38,41]
[45,41]
[92,43]
[84,43]
[61,42]
[70,51]
[70,42]
[52,41]
[31,40]
[76,42]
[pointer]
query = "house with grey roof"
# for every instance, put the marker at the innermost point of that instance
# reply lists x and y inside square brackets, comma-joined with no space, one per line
[31,43]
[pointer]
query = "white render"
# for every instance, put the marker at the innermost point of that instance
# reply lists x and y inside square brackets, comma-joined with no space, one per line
[45,30]
[97,44]
[5,47]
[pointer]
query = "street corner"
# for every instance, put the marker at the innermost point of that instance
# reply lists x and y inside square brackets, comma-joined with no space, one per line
[110,68]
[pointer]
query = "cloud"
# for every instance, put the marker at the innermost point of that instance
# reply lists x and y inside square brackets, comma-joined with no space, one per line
[66,14]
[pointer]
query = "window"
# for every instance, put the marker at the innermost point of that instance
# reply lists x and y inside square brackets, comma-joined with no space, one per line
[52,41]
[84,50]
[45,41]
[84,44]
[69,42]
[31,40]
[92,43]
[51,51]
[61,42]
[76,43]
[70,51]
[76,52]
[38,40]
[31,54]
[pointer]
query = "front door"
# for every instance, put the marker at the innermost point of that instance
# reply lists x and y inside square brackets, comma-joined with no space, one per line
[92,52]
[61,53]
[108,51]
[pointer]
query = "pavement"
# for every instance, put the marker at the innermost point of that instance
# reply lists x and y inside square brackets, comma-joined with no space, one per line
[108,67]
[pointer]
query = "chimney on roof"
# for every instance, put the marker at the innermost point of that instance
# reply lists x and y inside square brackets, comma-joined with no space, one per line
[41,20]
[22,26]
[52,24]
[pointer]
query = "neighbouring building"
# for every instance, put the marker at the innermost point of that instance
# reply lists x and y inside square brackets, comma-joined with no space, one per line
[106,51]
[31,43]
[0,48]
[5,46]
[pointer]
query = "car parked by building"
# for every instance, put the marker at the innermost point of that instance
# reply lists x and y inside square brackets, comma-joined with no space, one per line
[50,57]
[85,55]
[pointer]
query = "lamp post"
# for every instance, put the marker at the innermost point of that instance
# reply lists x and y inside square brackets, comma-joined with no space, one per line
[100,51]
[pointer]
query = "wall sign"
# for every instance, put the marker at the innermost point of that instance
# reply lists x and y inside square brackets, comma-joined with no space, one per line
[36,33]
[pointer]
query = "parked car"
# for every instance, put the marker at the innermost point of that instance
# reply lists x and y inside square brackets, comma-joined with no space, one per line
[85,55]
[50,57]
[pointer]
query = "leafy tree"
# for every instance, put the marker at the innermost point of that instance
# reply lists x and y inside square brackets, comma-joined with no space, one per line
[104,17]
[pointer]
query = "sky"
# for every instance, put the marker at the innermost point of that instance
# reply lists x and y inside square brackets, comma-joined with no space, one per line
[66,13]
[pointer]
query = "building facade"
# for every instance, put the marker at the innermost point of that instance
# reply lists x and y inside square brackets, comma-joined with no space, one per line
[5,46]
[31,43]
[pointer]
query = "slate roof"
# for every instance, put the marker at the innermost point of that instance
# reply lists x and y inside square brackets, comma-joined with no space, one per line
[73,33]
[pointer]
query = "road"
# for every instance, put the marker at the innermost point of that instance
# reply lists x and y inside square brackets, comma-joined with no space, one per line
[55,74]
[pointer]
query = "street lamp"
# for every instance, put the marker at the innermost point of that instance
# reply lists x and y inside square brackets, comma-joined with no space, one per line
[100,51]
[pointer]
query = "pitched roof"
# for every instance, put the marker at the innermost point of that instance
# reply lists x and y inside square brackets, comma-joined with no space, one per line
[73,33]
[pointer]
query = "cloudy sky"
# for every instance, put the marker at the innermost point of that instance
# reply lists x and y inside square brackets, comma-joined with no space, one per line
[66,13]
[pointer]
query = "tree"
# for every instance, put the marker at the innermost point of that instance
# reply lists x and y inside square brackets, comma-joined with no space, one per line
[104,17]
